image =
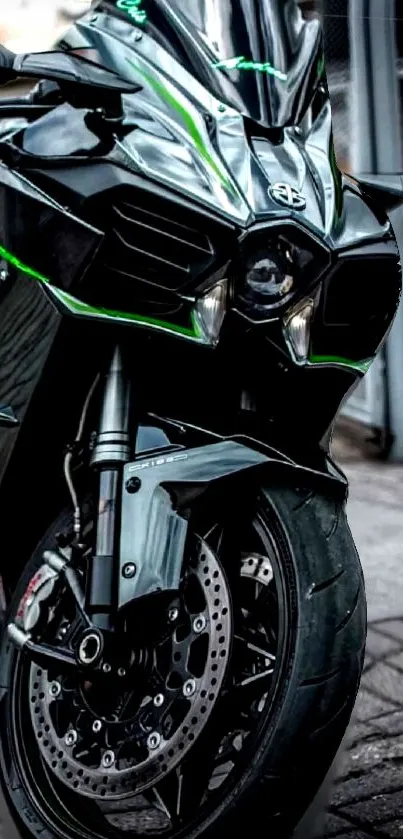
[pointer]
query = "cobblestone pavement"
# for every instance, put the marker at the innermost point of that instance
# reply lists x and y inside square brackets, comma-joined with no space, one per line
[367,799]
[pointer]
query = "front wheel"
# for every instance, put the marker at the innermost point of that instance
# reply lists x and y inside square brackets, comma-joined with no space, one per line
[236,699]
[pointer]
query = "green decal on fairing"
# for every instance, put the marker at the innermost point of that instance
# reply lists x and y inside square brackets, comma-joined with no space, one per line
[133,10]
[190,124]
[321,66]
[25,269]
[242,63]
[361,366]
[78,307]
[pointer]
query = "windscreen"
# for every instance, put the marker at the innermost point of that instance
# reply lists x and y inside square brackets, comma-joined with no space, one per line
[259,56]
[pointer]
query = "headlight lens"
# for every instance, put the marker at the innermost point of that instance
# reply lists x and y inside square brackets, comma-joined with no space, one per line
[278,262]
[269,277]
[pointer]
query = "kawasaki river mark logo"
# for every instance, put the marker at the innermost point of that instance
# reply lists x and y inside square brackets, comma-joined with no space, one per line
[241,63]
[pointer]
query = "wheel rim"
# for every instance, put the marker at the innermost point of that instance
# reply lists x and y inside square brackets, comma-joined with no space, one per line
[99,757]
[189,793]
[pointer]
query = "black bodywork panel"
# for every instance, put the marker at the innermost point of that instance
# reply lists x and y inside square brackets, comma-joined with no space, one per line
[154,524]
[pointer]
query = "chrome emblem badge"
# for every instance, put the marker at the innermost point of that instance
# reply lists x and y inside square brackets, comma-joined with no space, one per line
[287,196]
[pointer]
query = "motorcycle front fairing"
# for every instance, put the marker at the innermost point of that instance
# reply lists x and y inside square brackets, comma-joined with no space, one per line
[182,148]
[155,509]
[180,135]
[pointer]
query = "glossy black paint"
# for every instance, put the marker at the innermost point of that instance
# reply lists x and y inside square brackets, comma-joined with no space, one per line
[154,512]
[43,233]
[201,34]
[141,209]
[153,526]
[349,314]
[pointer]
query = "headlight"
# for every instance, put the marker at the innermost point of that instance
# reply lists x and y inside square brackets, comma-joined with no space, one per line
[268,277]
[277,264]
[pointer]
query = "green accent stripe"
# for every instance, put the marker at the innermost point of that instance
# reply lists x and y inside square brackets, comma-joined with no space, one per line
[361,366]
[321,66]
[190,124]
[78,307]
[25,269]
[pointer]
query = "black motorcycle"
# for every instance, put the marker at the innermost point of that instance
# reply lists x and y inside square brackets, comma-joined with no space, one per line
[190,288]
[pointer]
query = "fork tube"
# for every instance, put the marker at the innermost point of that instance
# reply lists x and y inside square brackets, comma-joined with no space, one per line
[111,451]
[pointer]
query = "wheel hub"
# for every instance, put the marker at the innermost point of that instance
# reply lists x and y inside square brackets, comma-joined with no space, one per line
[90,648]
[116,742]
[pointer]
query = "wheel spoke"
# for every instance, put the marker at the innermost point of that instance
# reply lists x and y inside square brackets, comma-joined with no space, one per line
[215,537]
[167,795]
[194,784]
[183,791]
[156,800]
[260,651]
[257,664]
[253,648]
[250,679]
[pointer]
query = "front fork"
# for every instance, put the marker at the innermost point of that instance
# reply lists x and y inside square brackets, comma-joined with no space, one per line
[112,450]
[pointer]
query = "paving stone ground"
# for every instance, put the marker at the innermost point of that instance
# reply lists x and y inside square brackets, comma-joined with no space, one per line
[367,799]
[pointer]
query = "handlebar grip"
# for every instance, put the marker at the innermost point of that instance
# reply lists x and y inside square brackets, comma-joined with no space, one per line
[9,101]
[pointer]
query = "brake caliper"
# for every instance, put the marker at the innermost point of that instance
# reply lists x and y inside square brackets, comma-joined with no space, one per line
[40,588]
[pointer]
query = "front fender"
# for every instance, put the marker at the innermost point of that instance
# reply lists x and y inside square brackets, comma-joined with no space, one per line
[156,491]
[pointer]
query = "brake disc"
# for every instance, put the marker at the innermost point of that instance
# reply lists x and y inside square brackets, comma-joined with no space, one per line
[115,758]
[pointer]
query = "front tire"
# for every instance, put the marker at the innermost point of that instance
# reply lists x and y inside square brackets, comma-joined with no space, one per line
[321,637]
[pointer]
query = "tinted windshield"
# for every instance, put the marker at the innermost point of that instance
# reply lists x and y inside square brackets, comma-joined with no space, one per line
[258,55]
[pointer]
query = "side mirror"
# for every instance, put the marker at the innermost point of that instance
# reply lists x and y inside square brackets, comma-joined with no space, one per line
[386,189]
[63,67]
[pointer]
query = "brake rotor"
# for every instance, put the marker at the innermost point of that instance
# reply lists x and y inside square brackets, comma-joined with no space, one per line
[115,758]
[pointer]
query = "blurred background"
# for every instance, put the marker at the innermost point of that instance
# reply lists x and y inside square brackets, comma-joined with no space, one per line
[364,57]
[364,60]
